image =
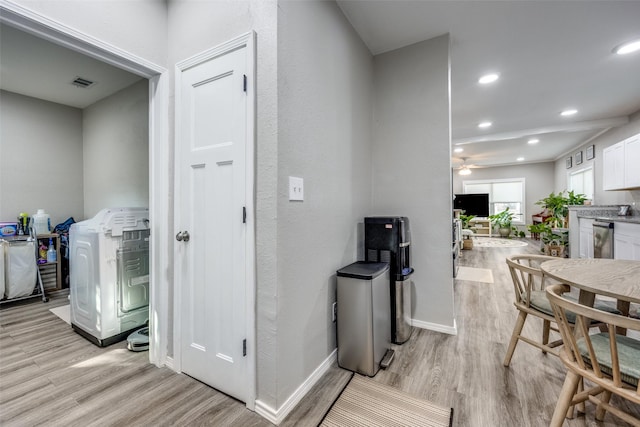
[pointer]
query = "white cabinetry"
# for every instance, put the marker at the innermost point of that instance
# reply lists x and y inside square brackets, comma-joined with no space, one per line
[620,164]
[613,163]
[632,162]
[586,238]
[626,241]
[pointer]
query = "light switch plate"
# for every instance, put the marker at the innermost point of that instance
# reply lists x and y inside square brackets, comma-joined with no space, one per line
[296,188]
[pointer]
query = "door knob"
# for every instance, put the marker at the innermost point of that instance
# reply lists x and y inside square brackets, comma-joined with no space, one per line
[182,236]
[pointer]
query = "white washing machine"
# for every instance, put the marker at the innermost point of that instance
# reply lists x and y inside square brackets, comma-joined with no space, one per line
[109,274]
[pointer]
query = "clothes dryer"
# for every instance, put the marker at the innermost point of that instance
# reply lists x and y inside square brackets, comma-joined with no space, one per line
[109,274]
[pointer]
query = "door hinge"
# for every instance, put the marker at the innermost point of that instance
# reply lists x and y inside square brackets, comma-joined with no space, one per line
[244,347]
[244,84]
[244,214]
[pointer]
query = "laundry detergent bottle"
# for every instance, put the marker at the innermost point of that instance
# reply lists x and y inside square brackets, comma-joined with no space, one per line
[41,222]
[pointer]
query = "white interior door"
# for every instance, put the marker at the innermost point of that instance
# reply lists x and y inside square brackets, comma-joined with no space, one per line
[212,260]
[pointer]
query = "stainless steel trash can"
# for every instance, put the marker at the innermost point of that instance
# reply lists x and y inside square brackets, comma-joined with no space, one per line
[402,321]
[364,316]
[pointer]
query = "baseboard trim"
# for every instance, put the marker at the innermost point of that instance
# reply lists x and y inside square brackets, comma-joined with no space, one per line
[168,362]
[277,416]
[451,330]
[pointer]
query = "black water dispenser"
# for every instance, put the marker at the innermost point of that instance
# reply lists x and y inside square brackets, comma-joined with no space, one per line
[388,239]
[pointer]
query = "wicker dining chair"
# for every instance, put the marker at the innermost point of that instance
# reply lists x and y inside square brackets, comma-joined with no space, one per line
[530,299]
[609,361]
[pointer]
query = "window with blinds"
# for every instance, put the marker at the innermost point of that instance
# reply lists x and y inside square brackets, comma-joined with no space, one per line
[581,182]
[503,193]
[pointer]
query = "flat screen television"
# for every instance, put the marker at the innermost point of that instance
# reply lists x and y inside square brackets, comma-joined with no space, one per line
[472,204]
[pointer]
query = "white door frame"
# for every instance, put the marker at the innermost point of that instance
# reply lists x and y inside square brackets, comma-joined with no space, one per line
[161,244]
[245,40]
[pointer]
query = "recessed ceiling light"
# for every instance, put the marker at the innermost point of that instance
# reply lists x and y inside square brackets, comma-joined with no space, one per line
[484,125]
[533,141]
[458,150]
[520,159]
[488,78]
[569,112]
[629,47]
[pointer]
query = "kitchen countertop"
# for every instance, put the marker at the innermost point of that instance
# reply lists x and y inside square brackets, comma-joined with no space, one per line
[606,213]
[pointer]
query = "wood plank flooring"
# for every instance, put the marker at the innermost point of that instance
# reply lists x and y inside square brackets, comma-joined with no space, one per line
[51,376]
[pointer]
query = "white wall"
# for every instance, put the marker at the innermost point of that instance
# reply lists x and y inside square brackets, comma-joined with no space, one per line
[116,150]
[539,182]
[40,158]
[412,167]
[325,78]
[613,136]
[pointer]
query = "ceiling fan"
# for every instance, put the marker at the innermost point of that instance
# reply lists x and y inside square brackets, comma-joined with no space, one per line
[464,169]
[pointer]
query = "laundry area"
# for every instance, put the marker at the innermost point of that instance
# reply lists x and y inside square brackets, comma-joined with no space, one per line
[74,187]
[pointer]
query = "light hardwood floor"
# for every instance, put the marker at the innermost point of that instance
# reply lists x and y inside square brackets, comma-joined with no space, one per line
[51,376]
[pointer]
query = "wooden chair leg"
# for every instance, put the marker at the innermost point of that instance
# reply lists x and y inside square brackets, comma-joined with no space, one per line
[564,400]
[581,407]
[546,326]
[600,410]
[517,329]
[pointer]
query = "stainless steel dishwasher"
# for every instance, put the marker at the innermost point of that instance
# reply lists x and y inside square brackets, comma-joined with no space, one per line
[603,239]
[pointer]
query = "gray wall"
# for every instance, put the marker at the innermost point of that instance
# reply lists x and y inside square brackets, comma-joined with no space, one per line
[412,168]
[116,150]
[74,162]
[539,182]
[325,77]
[613,136]
[40,158]
[139,26]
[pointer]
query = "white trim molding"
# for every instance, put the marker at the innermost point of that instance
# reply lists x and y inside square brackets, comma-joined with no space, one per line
[436,327]
[44,27]
[276,416]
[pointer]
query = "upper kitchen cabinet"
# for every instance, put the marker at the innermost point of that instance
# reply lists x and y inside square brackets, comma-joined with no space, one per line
[632,162]
[620,164]
[613,165]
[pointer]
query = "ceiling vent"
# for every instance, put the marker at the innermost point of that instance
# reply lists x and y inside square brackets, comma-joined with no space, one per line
[82,82]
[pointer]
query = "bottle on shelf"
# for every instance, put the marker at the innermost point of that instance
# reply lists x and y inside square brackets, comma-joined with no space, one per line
[52,256]
[42,222]
[42,253]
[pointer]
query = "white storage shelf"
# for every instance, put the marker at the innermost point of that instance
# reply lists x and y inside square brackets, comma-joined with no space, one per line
[481,226]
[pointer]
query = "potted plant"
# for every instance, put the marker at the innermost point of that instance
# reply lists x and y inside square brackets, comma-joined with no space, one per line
[465,220]
[467,231]
[557,205]
[576,199]
[550,241]
[502,221]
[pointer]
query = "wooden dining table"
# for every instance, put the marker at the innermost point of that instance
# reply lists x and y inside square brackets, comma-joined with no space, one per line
[614,278]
